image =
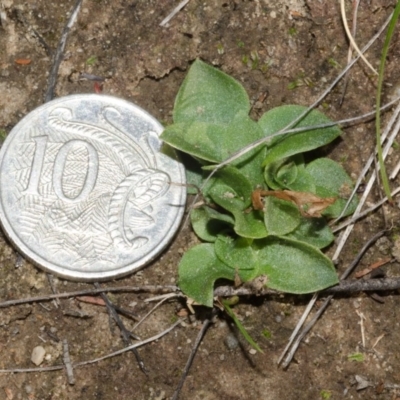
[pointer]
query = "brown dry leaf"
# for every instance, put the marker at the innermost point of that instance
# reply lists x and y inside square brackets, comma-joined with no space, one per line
[256,199]
[309,204]
[369,269]
[91,300]
[23,61]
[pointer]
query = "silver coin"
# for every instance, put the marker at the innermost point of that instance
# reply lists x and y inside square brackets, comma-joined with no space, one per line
[87,191]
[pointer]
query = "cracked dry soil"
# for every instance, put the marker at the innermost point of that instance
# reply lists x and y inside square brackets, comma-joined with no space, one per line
[267,46]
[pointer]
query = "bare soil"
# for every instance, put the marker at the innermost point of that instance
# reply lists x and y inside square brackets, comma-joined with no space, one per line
[268,46]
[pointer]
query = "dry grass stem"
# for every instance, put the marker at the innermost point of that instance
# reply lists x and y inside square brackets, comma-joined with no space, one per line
[351,39]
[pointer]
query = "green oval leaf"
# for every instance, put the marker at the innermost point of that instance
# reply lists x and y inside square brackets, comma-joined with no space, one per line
[294,143]
[209,95]
[216,142]
[232,191]
[294,267]
[231,187]
[237,254]
[331,180]
[199,268]
[209,223]
[314,231]
[280,216]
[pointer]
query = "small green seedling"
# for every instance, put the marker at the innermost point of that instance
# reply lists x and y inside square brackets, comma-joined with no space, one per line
[91,61]
[267,334]
[325,394]
[264,217]
[358,357]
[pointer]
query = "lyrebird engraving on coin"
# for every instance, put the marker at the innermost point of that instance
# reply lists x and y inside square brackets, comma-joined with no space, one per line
[86,190]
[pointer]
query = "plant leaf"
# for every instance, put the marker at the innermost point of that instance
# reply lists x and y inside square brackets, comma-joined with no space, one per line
[215,142]
[232,191]
[283,173]
[303,182]
[231,185]
[209,95]
[199,268]
[197,138]
[237,254]
[293,266]
[209,223]
[294,143]
[314,231]
[331,179]
[241,328]
[280,216]
[249,224]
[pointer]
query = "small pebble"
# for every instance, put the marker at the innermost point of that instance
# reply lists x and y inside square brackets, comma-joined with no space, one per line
[278,318]
[38,355]
[253,351]
[231,342]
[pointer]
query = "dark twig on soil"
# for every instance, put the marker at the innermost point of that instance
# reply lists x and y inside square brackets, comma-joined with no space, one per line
[126,334]
[35,33]
[126,312]
[196,345]
[67,363]
[351,286]
[361,253]
[58,56]
[155,289]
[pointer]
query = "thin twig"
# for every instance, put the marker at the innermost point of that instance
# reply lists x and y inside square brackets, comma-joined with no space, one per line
[351,39]
[344,287]
[361,215]
[350,52]
[58,56]
[305,330]
[165,298]
[35,33]
[174,12]
[371,158]
[131,289]
[133,346]
[67,363]
[303,318]
[196,345]
[126,335]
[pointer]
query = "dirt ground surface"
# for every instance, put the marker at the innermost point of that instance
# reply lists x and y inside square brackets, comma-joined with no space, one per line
[283,52]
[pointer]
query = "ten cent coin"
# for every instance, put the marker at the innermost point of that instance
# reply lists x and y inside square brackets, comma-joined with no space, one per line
[87,191]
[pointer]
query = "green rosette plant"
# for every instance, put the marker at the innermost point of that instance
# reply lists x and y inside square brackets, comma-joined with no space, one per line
[265,214]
